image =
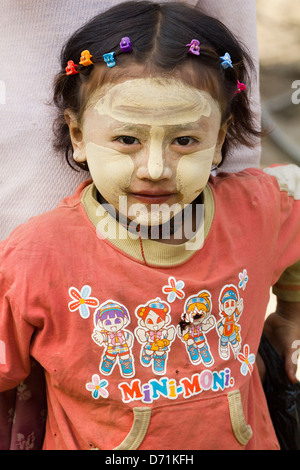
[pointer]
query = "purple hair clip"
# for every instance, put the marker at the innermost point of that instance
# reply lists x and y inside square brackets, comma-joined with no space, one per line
[125,44]
[194,47]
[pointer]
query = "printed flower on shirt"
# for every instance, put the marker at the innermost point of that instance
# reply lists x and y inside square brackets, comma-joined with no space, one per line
[174,289]
[247,360]
[25,443]
[243,279]
[97,387]
[82,301]
[22,392]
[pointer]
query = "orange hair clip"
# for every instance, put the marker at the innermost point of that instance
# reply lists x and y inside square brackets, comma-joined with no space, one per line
[70,68]
[85,58]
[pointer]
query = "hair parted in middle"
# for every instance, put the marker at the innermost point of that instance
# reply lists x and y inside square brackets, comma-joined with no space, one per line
[159,34]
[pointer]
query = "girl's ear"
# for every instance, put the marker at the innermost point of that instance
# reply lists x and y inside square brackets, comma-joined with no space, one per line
[76,136]
[220,141]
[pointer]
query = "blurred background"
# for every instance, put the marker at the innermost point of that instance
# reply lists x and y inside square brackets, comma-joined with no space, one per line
[278,28]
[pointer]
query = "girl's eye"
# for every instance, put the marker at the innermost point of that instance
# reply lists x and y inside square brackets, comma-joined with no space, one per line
[128,140]
[149,321]
[107,322]
[117,321]
[185,140]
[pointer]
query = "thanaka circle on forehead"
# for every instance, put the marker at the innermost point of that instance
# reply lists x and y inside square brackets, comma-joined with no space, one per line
[155,101]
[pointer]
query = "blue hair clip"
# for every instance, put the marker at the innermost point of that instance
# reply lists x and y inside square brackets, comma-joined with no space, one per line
[226,61]
[109,59]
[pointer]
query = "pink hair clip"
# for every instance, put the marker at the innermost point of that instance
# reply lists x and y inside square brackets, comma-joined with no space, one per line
[70,68]
[240,87]
[194,47]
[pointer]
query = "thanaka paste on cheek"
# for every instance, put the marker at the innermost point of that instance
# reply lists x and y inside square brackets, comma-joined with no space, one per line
[193,172]
[111,170]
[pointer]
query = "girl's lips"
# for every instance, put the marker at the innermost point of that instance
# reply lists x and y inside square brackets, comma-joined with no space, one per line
[148,198]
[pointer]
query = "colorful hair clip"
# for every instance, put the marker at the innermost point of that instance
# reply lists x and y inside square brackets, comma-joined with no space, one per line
[85,58]
[194,47]
[226,61]
[240,87]
[70,68]
[109,59]
[125,44]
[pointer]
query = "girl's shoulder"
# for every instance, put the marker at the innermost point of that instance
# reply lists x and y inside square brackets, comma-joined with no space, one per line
[284,177]
[44,232]
[265,184]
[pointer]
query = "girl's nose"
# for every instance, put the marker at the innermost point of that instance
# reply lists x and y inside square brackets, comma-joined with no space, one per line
[155,165]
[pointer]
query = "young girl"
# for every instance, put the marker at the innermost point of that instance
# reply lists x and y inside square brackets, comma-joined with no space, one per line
[150,97]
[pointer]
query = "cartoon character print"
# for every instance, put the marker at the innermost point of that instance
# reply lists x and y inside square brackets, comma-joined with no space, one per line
[231,307]
[154,335]
[195,322]
[110,320]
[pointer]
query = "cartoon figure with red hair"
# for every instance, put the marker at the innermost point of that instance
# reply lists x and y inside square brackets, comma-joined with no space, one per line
[195,321]
[231,307]
[154,335]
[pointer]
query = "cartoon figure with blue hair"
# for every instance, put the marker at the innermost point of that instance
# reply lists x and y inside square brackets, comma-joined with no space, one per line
[231,308]
[195,321]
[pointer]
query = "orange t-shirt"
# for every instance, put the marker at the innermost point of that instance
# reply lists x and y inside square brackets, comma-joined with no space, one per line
[70,299]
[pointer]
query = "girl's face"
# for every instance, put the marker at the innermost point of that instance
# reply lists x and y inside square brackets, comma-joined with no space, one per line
[152,140]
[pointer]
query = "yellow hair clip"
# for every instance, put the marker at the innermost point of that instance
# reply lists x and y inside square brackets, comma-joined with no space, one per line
[85,58]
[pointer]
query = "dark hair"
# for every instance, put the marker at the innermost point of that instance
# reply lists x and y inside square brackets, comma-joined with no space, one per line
[159,34]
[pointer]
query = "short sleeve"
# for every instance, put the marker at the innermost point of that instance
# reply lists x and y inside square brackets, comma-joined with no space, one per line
[287,288]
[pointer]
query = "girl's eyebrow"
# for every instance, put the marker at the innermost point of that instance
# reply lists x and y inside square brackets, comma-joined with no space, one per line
[189,126]
[186,129]
[120,126]
[127,127]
